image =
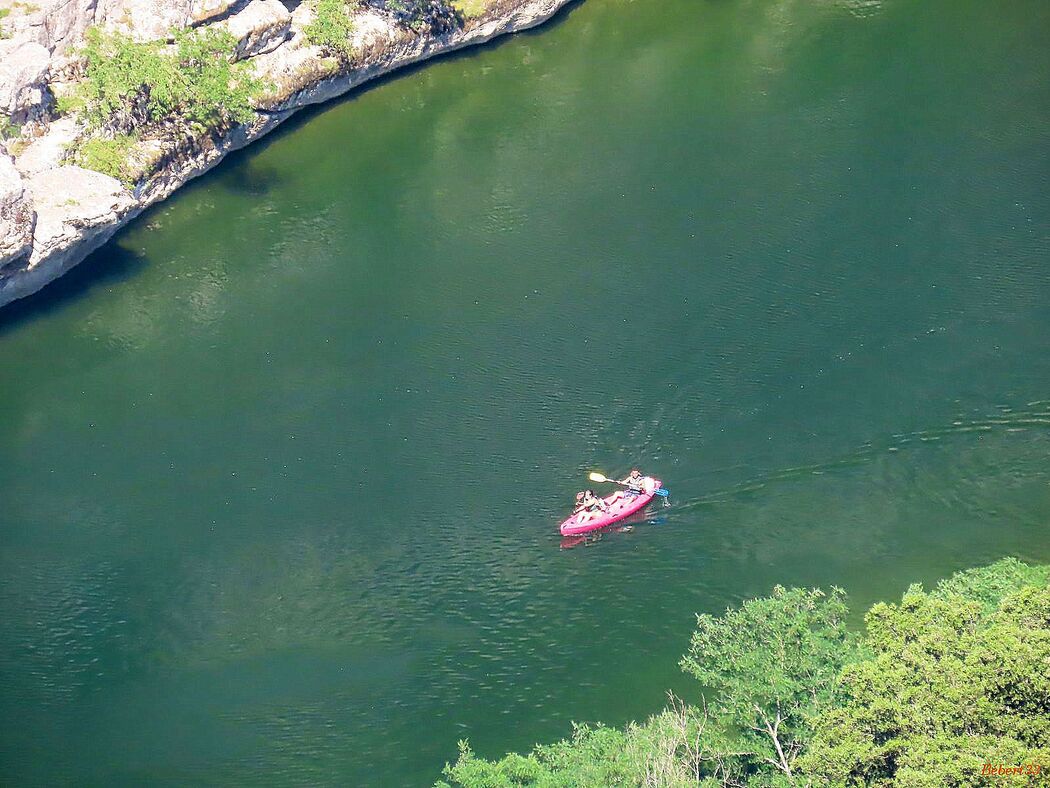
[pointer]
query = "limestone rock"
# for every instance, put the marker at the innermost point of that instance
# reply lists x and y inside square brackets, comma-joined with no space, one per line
[77,210]
[16,214]
[148,20]
[72,203]
[143,20]
[57,25]
[64,23]
[261,26]
[204,11]
[23,81]
[50,150]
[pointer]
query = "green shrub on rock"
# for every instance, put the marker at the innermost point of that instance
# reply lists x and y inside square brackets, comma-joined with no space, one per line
[108,156]
[191,86]
[436,16]
[331,28]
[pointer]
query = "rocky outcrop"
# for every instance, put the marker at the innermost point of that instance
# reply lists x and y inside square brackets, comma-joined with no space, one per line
[24,95]
[204,11]
[71,202]
[259,27]
[77,210]
[64,23]
[16,215]
[143,20]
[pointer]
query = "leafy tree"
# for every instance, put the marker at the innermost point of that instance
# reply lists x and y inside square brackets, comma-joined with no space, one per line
[940,684]
[958,678]
[772,665]
[674,748]
[989,584]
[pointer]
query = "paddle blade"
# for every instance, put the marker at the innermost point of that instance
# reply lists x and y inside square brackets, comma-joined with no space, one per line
[596,477]
[663,492]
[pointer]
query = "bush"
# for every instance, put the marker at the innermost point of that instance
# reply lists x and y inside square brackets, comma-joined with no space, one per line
[437,16]
[331,29]
[131,85]
[108,156]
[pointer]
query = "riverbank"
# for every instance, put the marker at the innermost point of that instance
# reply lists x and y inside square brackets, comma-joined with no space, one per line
[793,696]
[54,212]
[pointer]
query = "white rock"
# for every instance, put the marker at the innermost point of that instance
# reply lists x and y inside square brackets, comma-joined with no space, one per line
[48,151]
[202,11]
[143,20]
[261,26]
[70,202]
[16,214]
[23,80]
[64,23]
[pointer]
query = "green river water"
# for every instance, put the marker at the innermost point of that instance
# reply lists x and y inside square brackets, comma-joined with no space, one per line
[281,467]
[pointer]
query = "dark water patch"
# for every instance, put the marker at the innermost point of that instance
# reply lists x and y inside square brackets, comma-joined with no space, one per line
[108,267]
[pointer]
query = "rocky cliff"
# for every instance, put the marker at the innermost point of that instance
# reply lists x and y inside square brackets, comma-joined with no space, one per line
[53,213]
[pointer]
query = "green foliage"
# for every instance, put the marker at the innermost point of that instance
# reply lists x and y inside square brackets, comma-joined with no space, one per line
[958,678]
[130,85]
[436,16]
[670,749]
[331,28]
[989,584]
[772,665]
[471,8]
[108,156]
[940,684]
[9,130]
[67,105]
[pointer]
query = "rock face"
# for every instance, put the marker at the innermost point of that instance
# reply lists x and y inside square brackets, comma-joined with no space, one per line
[143,20]
[64,23]
[70,202]
[77,210]
[69,211]
[24,95]
[204,11]
[16,214]
[261,26]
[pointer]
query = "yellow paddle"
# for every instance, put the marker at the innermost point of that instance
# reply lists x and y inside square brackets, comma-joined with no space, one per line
[594,476]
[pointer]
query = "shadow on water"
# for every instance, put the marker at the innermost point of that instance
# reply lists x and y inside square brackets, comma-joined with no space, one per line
[251,180]
[308,113]
[112,264]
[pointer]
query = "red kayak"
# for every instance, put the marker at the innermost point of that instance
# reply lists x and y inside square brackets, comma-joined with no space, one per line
[620,504]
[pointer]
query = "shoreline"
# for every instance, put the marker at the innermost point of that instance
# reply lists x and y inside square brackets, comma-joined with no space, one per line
[74,211]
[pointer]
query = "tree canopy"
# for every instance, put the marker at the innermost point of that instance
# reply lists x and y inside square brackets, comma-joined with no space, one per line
[937,686]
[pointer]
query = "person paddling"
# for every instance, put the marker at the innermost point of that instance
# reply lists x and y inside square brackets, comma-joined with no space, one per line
[635,483]
[587,501]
